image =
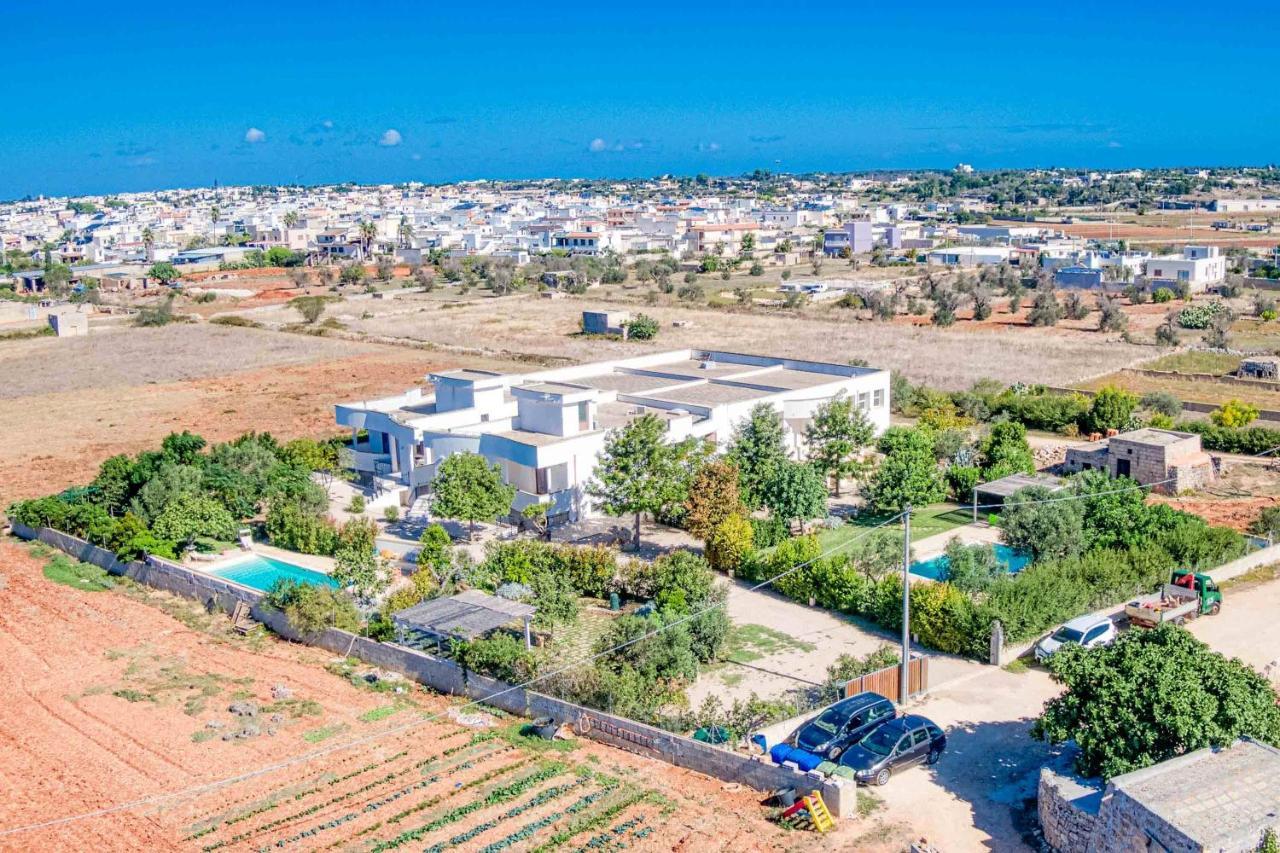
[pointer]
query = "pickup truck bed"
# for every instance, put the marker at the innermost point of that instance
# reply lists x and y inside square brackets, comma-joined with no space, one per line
[1171,604]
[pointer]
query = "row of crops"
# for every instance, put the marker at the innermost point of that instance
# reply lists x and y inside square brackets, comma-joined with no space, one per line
[437,791]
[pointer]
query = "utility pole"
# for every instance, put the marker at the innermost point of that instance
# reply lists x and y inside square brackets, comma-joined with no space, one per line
[904,678]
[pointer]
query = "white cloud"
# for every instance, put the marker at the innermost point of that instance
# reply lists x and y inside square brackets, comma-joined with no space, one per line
[1114,144]
[253,135]
[415,156]
[391,137]
[598,144]
[709,146]
[327,124]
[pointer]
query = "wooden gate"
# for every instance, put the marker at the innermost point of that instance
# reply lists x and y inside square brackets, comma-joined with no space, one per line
[885,681]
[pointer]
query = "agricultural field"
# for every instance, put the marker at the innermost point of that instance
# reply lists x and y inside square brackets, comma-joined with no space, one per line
[67,404]
[528,327]
[114,692]
[1187,389]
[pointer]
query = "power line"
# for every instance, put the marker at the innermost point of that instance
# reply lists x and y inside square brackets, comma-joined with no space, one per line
[155,799]
[573,664]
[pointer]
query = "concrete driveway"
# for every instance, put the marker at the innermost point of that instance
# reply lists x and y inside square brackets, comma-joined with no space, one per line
[981,794]
[1247,627]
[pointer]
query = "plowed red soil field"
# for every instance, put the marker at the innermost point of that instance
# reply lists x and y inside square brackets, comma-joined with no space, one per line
[115,695]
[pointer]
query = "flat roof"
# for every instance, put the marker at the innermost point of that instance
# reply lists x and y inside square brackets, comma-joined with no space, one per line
[468,614]
[1150,435]
[559,389]
[1014,483]
[627,383]
[466,374]
[711,394]
[1213,795]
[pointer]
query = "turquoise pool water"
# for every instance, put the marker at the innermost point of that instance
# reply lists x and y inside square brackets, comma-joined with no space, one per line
[262,573]
[938,567]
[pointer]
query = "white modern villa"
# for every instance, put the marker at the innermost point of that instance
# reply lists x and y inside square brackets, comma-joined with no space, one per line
[545,429]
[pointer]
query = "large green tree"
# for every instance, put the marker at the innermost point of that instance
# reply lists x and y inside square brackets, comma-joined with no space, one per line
[639,471]
[1047,529]
[796,493]
[1005,451]
[164,272]
[836,437]
[758,449]
[909,474]
[1152,696]
[468,488]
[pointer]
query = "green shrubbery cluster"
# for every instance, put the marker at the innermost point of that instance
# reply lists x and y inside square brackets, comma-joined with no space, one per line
[1090,553]
[185,494]
[638,680]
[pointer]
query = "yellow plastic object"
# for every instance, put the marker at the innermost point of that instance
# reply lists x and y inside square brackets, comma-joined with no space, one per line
[818,813]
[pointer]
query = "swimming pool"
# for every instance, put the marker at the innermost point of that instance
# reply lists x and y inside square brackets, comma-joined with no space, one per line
[938,567]
[261,572]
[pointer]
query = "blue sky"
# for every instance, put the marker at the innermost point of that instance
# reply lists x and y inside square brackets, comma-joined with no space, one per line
[108,97]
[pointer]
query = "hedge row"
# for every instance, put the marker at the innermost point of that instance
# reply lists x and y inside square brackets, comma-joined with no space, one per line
[945,618]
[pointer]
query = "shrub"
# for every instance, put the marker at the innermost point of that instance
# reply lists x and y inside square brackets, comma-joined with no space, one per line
[1267,523]
[1234,413]
[356,505]
[1162,295]
[293,529]
[1162,402]
[391,514]
[499,655]
[729,544]
[310,608]
[767,532]
[1248,441]
[642,327]
[1202,316]
[1112,408]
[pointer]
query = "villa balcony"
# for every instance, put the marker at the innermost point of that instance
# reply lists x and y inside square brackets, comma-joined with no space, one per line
[367,462]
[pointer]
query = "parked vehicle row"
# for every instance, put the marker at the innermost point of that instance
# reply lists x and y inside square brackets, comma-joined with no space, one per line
[863,738]
[1187,595]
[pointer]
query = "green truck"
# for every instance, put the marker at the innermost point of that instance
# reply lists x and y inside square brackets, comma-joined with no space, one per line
[1187,595]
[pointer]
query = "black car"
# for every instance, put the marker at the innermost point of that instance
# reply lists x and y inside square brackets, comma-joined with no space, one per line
[898,744]
[847,721]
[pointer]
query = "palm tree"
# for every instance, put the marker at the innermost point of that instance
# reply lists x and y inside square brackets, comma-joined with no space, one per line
[215,213]
[148,243]
[406,231]
[290,218]
[368,231]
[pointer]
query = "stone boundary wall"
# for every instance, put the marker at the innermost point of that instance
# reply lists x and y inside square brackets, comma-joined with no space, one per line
[445,676]
[1068,812]
[1227,379]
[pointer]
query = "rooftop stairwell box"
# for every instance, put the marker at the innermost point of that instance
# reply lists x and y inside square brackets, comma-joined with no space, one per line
[545,429]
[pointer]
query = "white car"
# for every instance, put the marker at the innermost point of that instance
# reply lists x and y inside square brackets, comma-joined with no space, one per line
[1087,631]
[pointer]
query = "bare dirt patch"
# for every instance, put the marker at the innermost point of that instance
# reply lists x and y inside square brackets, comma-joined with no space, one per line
[69,407]
[948,358]
[97,691]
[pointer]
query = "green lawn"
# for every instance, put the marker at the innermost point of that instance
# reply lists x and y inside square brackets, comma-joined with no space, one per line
[750,642]
[85,576]
[1216,363]
[930,521]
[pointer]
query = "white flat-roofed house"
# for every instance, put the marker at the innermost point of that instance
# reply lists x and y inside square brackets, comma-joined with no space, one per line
[1198,267]
[546,429]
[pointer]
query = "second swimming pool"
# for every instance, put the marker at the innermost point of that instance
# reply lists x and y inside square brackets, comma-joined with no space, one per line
[938,567]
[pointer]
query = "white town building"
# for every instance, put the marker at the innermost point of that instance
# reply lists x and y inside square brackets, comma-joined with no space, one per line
[546,429]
